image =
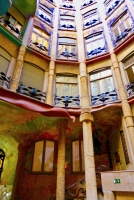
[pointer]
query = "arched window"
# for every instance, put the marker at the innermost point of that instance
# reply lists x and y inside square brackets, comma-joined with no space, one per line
[2,156]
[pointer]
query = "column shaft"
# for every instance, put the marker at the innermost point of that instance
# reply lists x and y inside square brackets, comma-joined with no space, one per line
[108,195]
[90,175]
[18,68]
[60,188]
[49,97]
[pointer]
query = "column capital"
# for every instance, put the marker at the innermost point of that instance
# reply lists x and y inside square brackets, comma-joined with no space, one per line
[86,115]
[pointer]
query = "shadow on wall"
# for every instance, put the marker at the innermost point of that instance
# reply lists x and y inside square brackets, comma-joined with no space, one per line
[9,146]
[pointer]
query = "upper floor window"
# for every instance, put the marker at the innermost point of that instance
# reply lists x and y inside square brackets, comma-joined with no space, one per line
[122,27]
[11,24]
[129,68]
[90,18]
[45,14]
[40,40]
[67,48]
[102,86]
[67,90]
[95,44]
[43,158]
[32,81]
[4,64]
[111,5]
[67,22]
[77,156]
[67,4]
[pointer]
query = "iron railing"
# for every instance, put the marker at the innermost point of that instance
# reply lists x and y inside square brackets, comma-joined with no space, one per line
[67,100]
[4,80]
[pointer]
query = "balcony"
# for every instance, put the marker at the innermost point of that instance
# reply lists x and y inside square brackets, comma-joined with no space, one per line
[68,6]
[67,26]
[124,35]
[39,47]
[44,18]
[91,23]
[113,6]
[87,3]
[67,101]
[67,55]
[105,98]
[4,80]
[96,52]
[130,89]
[10,27]
[31,92]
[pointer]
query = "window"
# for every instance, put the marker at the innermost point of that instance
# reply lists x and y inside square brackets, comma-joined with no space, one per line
[67,90]
[90,18]
[95,44]
[102,86]
[4,64]
[67,22]
[77,156]
[31,81]
[40,40]
[129,68]
[2,156]
[43,158]
[45,14]
[67,48]
[122,28]
[111,5]
[12,24]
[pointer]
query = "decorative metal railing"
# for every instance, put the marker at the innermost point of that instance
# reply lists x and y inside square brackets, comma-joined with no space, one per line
[44,17]
[67,6]
[124,34]
[130,89]
[88,3]
[91,23]
[67,27]
[78,189]
[4,80]
[113,6]
[104,98]
[31,92]
[39,47]
[8,25]
[67,55]
[96,51]
[67,100]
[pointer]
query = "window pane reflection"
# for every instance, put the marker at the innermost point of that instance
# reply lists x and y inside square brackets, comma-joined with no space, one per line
[37,160]
[49,156]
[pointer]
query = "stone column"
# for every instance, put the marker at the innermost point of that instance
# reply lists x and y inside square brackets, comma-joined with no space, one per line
[49,97]
[86,118]
[108,195]
[60,188]
[18,68]
[28,32]
[125,105]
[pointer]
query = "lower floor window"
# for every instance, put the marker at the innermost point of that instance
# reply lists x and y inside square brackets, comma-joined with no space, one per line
[43,159]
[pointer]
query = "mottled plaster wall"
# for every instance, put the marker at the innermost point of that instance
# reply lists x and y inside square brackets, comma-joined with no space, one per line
[9,146]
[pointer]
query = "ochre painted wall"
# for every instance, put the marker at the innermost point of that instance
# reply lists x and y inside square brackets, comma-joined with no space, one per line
[124,195]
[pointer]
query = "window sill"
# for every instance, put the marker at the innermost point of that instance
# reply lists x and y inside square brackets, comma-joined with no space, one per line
[98,58]
[65,61]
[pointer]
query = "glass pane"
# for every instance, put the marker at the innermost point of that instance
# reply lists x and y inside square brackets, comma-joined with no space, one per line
[95,76]
[49,156]
[66,91]
[75,156]
[94,88]
[12,20]
[82,156]
[59,89]
[33,37]
[105,73]
[116,32]
[122,28]
[110,84]
[89,47]
[39,40]
[37,160]
[130,74]
[128,22]
[74,90]
[102,86]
